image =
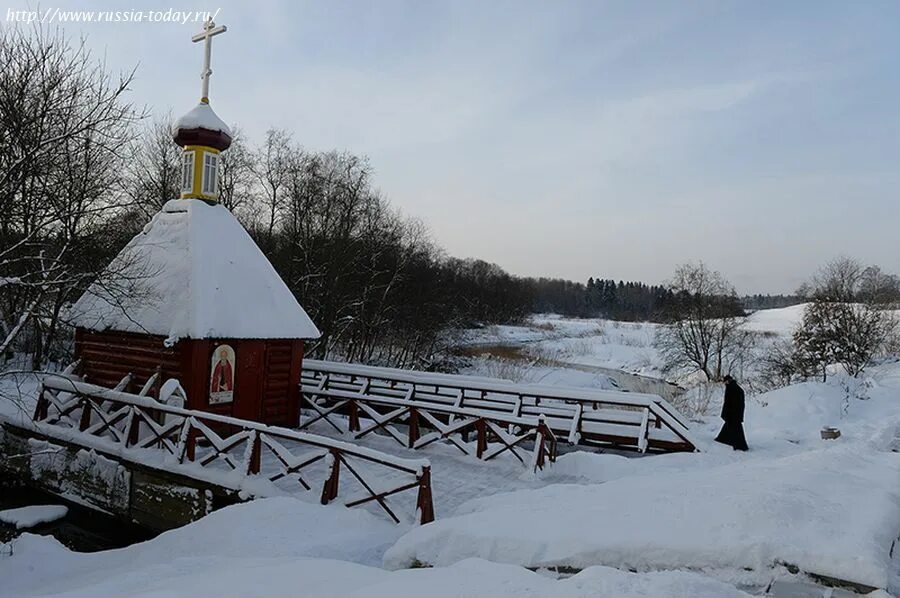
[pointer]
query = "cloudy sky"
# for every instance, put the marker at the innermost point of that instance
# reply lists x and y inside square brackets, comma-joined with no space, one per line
[574,139]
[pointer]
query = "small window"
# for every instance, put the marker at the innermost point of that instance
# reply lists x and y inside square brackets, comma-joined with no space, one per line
[187,172]
[210,174]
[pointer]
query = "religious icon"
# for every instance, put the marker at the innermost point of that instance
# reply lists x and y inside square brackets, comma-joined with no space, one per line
[221,380]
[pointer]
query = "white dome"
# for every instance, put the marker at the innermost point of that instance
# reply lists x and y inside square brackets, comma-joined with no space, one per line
[201,116]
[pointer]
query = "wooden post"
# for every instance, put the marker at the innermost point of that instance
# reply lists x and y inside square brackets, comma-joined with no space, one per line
[85,421]
[255,454]
[541,439]
[40,410]
[424,503]
[330,488]
[191,444]
[157,384]
[354,416]
[413,427]
[481,440]
[134,427]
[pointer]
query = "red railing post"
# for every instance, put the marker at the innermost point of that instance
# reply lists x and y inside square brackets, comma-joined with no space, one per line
[413,427]
[255,454]
[354,416]
[424,503]
[546,444]
[134,427]
[85,422]
[190,445]
[541,439]
[330,488]
[40,410]
[481,440]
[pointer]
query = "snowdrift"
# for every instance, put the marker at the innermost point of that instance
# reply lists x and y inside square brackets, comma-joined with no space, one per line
[264,549]
[272,530]
[832,512]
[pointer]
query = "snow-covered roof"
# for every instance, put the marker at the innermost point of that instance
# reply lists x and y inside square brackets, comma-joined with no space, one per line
[201,116]
[193,272]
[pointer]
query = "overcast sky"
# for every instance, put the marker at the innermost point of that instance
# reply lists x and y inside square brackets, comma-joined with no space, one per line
[574,139]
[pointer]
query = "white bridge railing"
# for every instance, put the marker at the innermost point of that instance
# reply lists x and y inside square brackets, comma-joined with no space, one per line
[450,406]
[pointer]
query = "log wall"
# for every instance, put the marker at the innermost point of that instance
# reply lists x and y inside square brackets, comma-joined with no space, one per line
[266,377]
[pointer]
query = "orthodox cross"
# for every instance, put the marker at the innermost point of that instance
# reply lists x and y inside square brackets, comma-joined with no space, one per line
[209,30]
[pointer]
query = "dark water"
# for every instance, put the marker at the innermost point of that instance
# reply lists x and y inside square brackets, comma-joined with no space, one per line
[82,529]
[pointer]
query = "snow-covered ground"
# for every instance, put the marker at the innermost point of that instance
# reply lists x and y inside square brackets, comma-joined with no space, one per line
[592,352]
[713,523]
[831,508]
[282,547]
[829,512]
[781,321]
[599,343]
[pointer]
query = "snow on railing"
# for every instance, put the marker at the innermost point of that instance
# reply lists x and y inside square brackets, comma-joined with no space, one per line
[495,432]
[133,427]
[624,419]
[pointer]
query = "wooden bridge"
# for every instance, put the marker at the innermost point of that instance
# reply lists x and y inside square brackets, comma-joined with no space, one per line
[247,457]
[219,459]
[501,414]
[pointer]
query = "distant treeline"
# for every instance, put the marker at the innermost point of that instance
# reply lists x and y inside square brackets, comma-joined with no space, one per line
[602,298]
[754,302]
[626,300]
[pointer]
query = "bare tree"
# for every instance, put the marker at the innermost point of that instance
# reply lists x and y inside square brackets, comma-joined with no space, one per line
[848,321]
[236,174]
[877,287]
[705,333]
[271,169]
[779,365]
[152,173]
[838,280]
[63,123]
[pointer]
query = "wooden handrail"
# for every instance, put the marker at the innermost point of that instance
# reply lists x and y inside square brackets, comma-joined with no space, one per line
[580,415]
[102,416]
[100,392]
[500,387]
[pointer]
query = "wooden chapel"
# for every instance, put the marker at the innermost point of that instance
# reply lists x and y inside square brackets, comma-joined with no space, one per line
[192,298]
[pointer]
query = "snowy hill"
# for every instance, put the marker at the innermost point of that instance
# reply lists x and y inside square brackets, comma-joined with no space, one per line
[781,321]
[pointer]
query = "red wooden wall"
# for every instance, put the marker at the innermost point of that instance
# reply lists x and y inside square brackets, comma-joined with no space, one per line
[266,377]
[107,357]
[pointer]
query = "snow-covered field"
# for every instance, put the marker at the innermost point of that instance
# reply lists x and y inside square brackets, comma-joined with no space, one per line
[718,523]
[587,342]
[598,353]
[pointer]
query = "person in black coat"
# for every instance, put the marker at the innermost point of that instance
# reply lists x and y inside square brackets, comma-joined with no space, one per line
[732,432]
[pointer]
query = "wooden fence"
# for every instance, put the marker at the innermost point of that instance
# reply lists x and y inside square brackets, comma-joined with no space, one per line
[151,433]
[451,405]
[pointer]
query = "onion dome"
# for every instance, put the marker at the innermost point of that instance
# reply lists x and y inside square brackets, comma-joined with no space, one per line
[201,126]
